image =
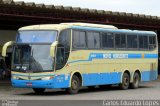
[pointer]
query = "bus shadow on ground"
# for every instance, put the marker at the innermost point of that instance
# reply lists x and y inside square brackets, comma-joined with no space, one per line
[82,91]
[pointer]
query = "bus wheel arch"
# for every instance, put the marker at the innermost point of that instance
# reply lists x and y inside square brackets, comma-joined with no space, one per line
[79,76]
[138,73]
[75,83]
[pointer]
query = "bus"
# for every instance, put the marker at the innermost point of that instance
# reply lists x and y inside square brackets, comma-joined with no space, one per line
[74,55]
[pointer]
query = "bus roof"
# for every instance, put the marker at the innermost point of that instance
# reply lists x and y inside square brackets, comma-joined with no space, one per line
[127,31]
[44,27]
[65,25]
[84,26]
[90,25]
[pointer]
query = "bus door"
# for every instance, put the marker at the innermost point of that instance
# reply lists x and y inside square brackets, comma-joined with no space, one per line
[60,57]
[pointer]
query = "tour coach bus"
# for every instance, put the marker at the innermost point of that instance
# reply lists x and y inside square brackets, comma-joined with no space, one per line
[72,55]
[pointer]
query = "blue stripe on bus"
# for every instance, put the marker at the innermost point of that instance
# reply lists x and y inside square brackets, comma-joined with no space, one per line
[113,78]
[57,82]
[116,56]
[149,75]
[151,56]
[134,56]
[89,79]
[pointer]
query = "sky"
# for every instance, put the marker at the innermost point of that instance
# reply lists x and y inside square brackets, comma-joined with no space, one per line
[147,7]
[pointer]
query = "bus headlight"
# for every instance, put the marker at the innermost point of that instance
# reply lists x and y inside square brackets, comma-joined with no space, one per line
[14,77]
[47,78]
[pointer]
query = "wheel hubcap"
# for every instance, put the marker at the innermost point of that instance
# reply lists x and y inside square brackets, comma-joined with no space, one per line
[136,81]
[126,81]
[74,84]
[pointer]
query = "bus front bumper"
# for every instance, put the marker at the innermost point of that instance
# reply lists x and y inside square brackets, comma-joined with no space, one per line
[58,82]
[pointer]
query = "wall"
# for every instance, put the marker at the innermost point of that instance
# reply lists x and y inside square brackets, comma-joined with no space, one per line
[158,34]
[5,36]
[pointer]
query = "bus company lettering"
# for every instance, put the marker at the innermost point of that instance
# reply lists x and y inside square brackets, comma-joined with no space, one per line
[108,56]
[120,56]
[93,56]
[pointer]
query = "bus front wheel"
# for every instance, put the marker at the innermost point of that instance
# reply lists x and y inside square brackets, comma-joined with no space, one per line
[125,81]
[38,90]
[75,85]
[136,81]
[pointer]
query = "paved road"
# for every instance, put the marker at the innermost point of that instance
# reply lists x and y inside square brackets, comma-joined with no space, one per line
[147,91]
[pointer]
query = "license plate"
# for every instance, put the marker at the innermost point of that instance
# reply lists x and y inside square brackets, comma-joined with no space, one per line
[29,83]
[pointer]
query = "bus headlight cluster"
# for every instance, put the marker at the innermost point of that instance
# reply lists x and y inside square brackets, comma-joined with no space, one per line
[47,78]
[14,77]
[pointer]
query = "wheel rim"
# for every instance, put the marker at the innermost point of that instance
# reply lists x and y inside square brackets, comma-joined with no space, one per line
[136,80]
[126,81]
[74,84]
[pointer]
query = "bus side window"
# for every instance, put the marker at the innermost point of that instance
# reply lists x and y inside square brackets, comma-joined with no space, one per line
[132,42]
[93,40]
[120,41]
[143,42]
[152,42]
[79,39]
[107,40]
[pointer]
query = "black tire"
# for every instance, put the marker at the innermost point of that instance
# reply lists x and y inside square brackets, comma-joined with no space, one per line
[39,90]
[136,81]
[75,85]
[125,81]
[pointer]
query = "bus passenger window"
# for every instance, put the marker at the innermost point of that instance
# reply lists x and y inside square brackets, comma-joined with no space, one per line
[132,41]
[107,40]
[143,42]
[79,40]
[93,40]
[152,42]
[117,41]
[120,41]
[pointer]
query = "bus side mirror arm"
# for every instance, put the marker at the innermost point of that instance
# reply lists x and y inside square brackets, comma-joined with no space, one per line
[53,48]
[5,46]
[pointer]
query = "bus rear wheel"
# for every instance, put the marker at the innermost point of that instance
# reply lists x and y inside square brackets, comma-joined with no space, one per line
[136,81]
[75,85]
[39,90]
[125,81]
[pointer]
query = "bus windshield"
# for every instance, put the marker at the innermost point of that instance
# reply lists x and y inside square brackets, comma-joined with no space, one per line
[32,52]
[32,57]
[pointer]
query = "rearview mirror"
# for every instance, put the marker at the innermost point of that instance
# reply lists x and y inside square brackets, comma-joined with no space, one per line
[5,46]
[53,48]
